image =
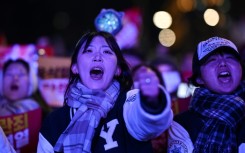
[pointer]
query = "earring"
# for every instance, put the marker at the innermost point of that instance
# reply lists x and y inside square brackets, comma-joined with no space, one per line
[74,69]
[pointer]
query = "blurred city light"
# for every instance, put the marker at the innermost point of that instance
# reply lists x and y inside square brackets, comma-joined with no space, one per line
[211,17]
[162,19]
[167,37]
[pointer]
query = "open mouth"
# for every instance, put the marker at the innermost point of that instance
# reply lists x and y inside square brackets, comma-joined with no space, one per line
[224,76]
[14,87]
[96,73]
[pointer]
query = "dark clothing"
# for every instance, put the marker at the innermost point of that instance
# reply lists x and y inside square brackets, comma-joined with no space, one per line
[122,141]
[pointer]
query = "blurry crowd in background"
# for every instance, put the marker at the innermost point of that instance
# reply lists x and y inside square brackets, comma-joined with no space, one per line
[48,73]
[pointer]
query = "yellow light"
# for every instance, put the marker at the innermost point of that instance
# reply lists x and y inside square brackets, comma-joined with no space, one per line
[41,52]
[162,19]
[211,17]
[167,37]
[185,6]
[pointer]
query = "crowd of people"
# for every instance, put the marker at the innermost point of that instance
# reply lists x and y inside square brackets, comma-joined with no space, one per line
[117,102]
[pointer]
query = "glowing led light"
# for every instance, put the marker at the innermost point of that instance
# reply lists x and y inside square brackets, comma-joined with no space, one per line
[109,20]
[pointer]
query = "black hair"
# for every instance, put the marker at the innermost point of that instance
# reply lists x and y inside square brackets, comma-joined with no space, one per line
[125,78]
[153,68]
[11,61]
[166,60]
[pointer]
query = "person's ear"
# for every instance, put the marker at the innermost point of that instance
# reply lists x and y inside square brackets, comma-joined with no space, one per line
[74,69]
[118,71]
[199,80]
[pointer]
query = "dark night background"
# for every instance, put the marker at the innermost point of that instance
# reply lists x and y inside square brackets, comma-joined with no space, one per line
[23,21]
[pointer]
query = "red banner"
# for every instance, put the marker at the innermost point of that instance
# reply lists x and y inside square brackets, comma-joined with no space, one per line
[53,78]
[22,130]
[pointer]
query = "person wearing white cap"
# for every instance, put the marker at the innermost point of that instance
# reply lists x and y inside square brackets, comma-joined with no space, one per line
[213,122]
[16,88]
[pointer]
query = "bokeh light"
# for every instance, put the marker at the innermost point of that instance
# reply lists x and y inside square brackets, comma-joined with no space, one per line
[162,19]
[167,37]
[186,6]
[211,17]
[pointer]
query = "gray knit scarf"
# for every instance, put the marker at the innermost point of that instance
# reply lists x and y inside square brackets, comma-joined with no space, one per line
[92,105]
[221,113]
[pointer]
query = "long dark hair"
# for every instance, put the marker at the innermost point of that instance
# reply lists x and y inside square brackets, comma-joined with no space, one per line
[125,78]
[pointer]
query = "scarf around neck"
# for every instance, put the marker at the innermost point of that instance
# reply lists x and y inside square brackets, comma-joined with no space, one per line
[91,105]
[17,107]
[221,113]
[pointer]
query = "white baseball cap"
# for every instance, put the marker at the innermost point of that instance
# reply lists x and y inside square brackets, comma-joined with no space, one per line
[208,46]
